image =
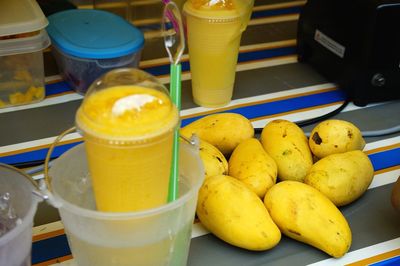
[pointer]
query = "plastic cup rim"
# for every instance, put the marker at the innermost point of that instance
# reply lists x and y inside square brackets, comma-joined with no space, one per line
[204,14]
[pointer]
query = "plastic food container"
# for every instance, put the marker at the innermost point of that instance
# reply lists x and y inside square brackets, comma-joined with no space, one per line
[22,41]
[87,43]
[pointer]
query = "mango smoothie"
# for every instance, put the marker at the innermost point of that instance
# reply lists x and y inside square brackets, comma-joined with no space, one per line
[214,30]
[128,134]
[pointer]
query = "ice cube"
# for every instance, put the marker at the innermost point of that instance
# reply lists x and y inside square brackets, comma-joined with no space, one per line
[8,215]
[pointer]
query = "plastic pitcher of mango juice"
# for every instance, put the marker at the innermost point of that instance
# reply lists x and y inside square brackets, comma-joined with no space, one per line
[158,237]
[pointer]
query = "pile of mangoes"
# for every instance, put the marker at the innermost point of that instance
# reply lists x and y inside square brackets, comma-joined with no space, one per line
[281,183]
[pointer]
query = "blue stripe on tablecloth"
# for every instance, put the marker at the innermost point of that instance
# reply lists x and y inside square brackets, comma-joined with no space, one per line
[36,155]
[55,247]
[243,57]
[51,248]
[283,106]
[383,160]
[380,160]
[251,112]
[266,53]
[387,262]
[61,87]
[164,69]
[57,88]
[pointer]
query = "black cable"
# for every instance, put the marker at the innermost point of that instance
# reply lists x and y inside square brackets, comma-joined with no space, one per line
[27,164]
[322,117]
[314,120]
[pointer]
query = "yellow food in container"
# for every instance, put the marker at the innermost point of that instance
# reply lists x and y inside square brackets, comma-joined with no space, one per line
[22,41]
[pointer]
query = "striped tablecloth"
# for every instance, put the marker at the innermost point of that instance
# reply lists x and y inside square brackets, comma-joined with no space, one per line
[270,84]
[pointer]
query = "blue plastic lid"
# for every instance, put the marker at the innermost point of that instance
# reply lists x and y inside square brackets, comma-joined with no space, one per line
[93,34]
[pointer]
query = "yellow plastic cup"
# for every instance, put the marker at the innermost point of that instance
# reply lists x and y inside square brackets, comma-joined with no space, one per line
[214,32]
[127,121]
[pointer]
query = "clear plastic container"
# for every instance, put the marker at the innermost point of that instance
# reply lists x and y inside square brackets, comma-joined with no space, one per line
[88,43]
[22,16]
[81,72]
[16,242]
[22,41]
[157,236]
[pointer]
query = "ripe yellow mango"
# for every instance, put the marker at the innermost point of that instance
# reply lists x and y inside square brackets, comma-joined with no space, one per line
[252,165]
[335,136]
[225,130]
[213,160]
[235,214]
[305,214]
[342,177]
[287,144]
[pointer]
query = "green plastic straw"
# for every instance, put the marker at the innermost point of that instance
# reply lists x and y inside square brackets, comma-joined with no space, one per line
[171,13]
[175,92]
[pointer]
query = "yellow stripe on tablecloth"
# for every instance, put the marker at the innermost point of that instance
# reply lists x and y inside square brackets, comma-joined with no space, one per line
[377,258]
[67,259]
[361,254]
[48,235]
[42,231]
[274,19]
[385,170]
[267,45]
[384,148]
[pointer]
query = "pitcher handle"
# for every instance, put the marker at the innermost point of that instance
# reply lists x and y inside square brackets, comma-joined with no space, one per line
[47,178]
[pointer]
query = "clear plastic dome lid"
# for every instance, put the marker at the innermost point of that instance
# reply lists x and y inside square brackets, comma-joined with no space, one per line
[126,105]
[219,8]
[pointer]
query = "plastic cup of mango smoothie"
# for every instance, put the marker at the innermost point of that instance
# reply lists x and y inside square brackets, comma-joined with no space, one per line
[127,121]
[214,30]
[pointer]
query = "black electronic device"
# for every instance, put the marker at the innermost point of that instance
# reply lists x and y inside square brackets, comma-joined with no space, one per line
[355,44]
